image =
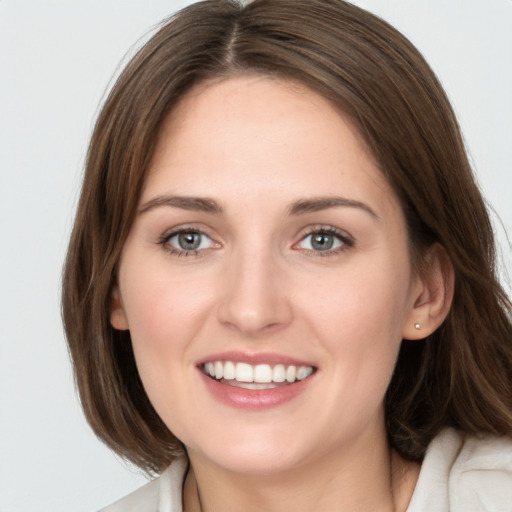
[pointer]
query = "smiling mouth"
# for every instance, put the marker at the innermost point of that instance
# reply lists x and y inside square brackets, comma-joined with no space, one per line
[260,376]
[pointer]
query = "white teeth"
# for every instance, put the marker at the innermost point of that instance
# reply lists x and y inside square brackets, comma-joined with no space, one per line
[303,372]
[243,372]
[229,370]
[291,372]
[252,385]
[210,369]
[279,373]
[259,374]
[219,370]
[263,373]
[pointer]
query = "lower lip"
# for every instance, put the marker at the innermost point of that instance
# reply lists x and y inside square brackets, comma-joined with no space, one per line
[254,399]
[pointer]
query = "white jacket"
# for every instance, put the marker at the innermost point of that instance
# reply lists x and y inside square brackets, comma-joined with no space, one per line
[458,474]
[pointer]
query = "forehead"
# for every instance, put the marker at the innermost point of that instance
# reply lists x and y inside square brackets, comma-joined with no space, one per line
[272,137]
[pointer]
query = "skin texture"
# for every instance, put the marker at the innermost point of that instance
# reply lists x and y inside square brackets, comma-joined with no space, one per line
[256,147]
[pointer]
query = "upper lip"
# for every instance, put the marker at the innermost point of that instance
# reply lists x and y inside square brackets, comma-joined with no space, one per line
[254,358]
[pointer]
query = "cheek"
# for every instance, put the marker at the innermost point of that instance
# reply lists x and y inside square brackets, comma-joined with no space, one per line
[163,321]
[359,319]
[163,314]
[361,302]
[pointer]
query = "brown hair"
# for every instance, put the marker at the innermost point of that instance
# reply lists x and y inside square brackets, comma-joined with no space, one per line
[462,374]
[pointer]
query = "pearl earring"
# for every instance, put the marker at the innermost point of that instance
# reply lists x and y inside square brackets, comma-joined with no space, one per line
[418,326]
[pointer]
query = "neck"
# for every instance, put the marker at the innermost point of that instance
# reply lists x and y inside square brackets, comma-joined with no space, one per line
[371,478]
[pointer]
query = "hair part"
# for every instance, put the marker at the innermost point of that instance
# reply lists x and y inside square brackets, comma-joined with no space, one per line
[460,375]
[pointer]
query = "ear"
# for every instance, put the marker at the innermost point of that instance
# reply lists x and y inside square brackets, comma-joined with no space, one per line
[431,295]
[118,318]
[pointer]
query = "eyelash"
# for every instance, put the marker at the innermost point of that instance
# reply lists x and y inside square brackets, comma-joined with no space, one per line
[346,241]
[173,251]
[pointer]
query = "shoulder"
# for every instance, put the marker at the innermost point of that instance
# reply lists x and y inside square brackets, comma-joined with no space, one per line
[162,493]
[143,499]
[481,477]
[464,473]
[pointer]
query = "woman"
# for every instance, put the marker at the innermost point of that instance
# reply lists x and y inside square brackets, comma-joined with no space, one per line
[280,290]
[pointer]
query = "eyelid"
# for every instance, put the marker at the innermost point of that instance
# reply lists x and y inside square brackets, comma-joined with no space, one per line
[346,238]
[170,233]
[192,227]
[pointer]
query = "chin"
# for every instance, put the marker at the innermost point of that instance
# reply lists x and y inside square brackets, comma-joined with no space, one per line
[256,456]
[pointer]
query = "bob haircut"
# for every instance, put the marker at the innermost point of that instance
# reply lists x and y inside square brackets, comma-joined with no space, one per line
[459,376]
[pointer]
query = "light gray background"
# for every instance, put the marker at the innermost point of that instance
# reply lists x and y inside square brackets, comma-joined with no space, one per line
[56,60]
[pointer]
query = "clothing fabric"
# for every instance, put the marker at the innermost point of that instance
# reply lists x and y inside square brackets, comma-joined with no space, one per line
[459,474]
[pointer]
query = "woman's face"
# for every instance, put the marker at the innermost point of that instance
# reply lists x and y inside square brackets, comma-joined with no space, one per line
[268,247]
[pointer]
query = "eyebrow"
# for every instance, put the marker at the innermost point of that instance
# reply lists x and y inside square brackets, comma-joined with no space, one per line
[300,207]
[198,204]
[316,204]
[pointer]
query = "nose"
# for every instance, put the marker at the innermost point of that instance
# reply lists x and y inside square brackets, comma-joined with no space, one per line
[255,299]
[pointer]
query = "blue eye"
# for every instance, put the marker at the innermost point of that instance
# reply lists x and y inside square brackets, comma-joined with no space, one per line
[325,240]
[186,241]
